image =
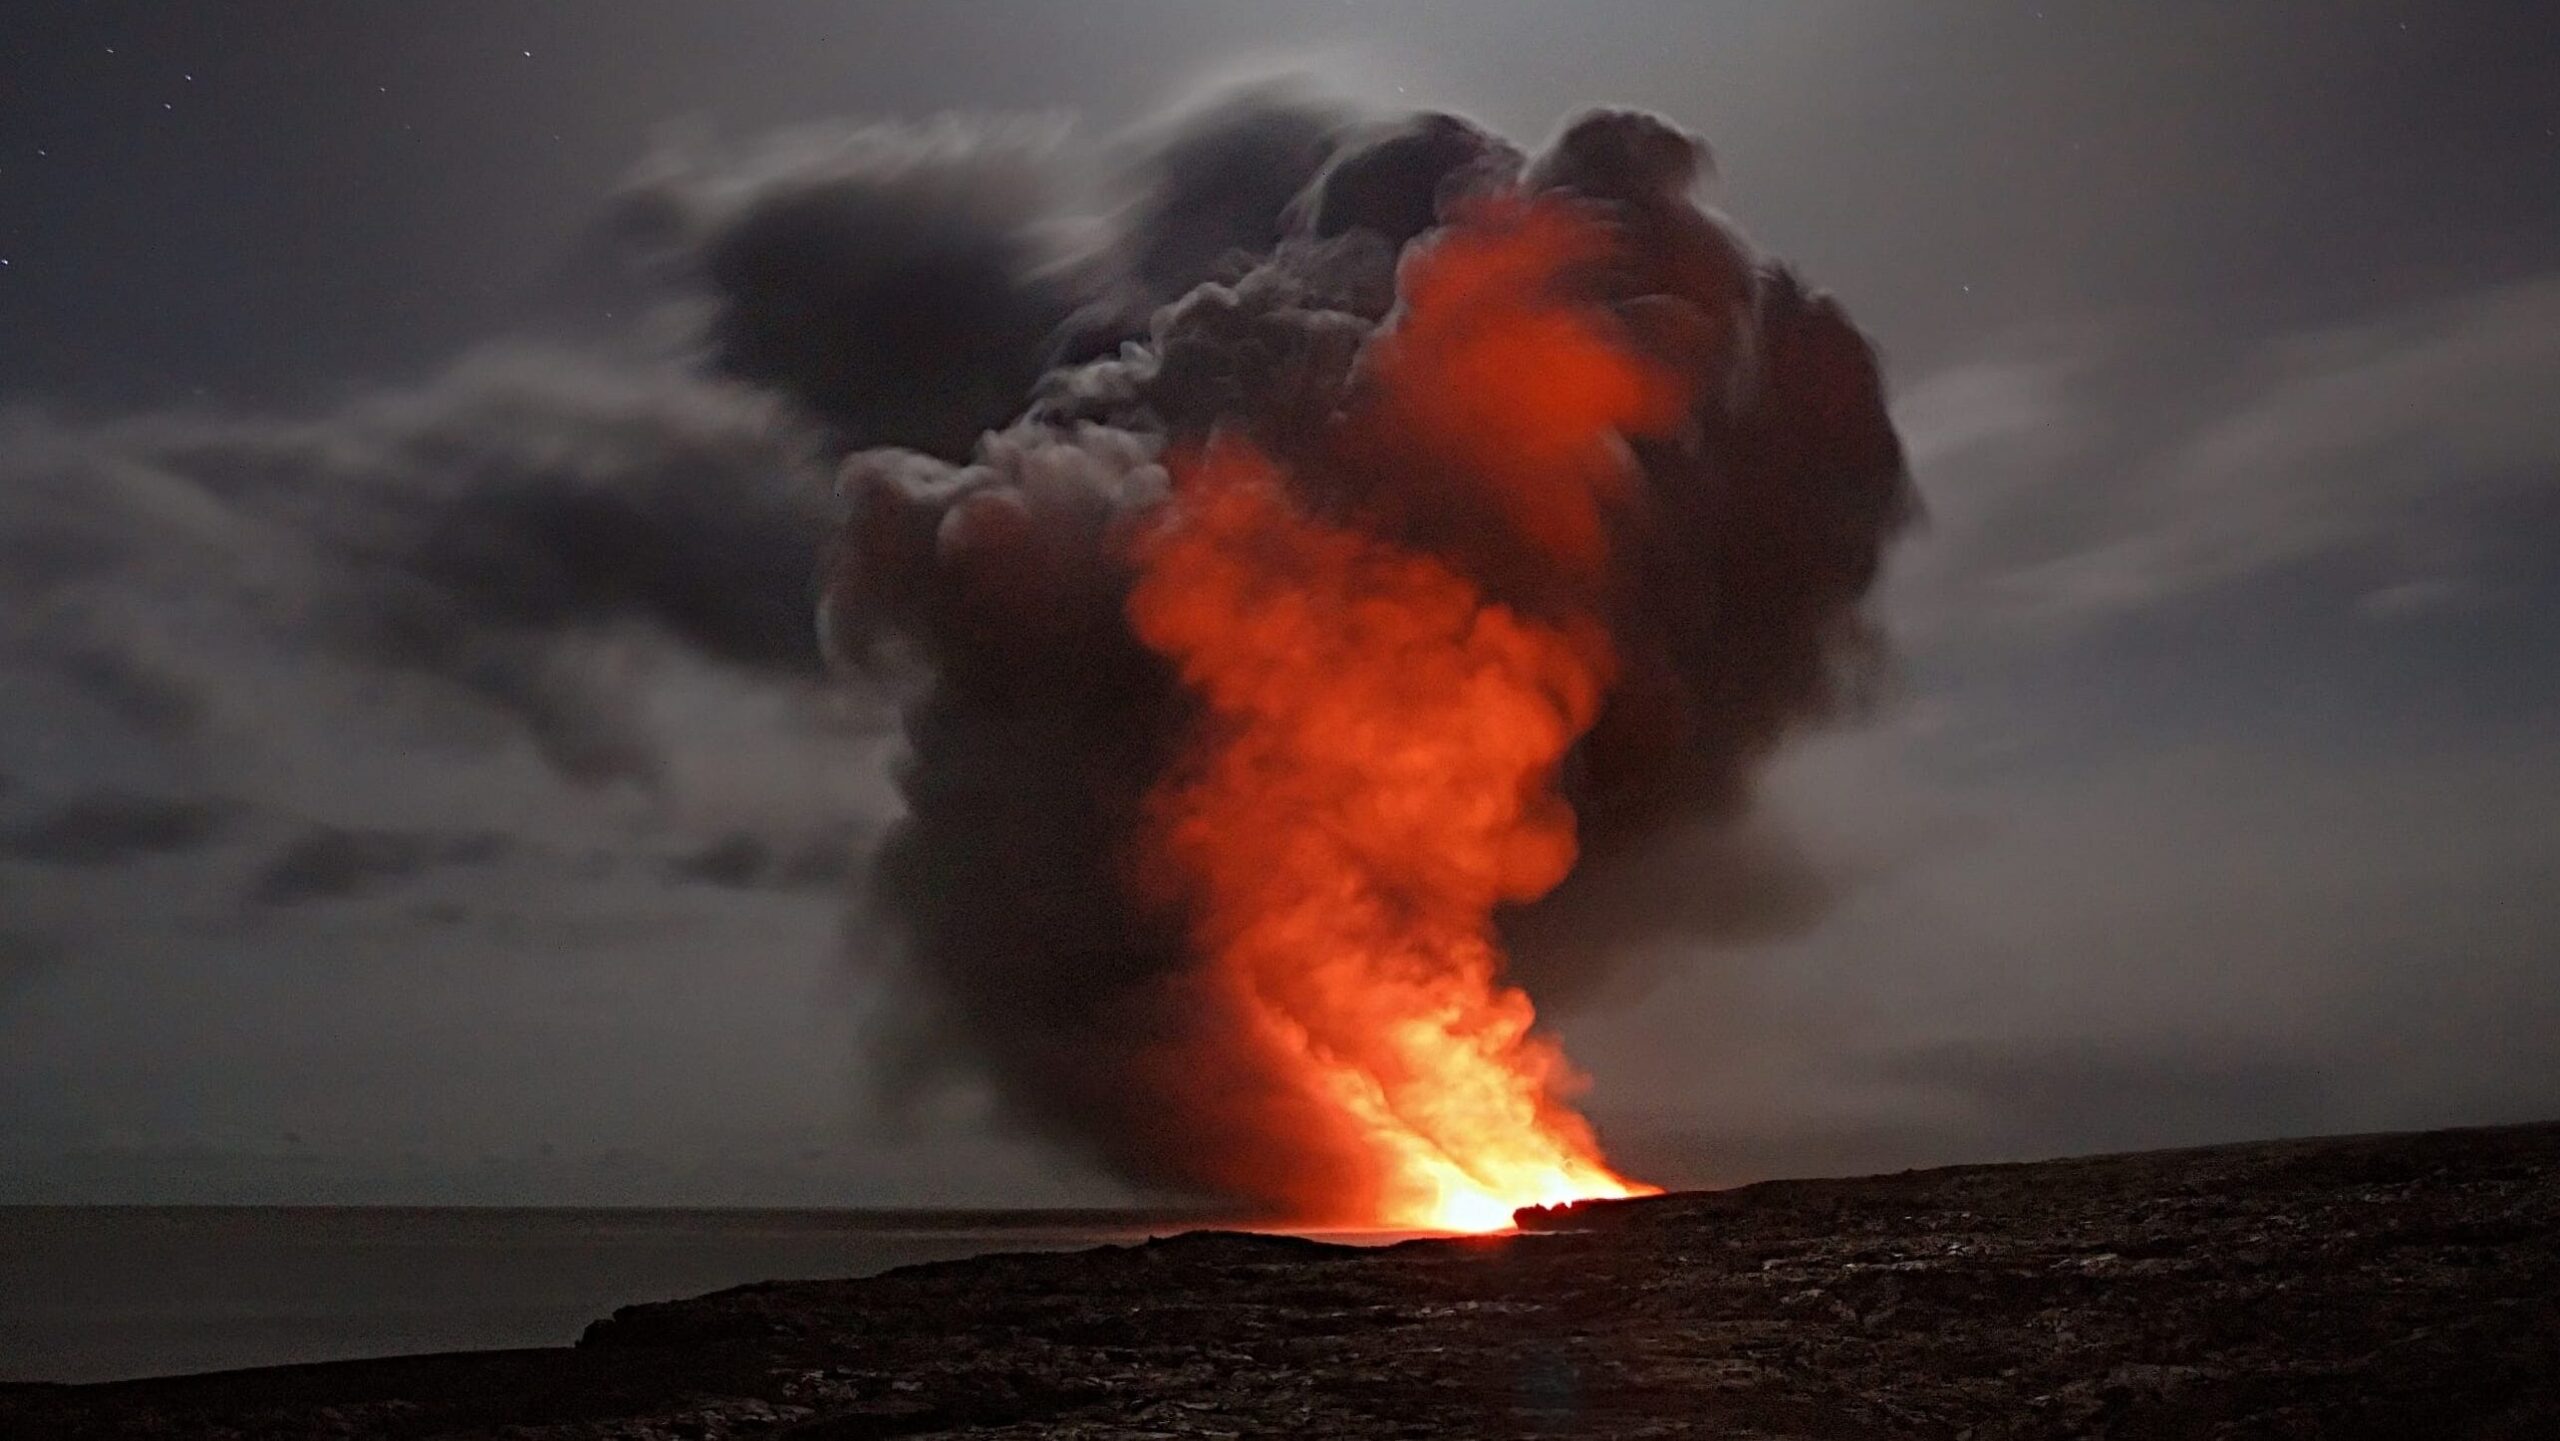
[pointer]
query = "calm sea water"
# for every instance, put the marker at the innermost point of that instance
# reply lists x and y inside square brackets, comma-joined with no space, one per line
[99,1293]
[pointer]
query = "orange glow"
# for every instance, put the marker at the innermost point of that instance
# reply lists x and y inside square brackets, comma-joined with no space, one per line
[1494,360]
[1374,771]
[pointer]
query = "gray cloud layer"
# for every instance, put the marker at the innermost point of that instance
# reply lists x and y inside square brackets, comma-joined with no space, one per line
[2402,443]
[329,863]
[480,532]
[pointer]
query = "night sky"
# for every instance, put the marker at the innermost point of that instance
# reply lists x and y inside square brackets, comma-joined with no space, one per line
[2213,794]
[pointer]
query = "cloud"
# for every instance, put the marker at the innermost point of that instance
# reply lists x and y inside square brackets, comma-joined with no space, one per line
[2403,442]
[327,863]
[23,952]
[2426,596]
[735,861]
[2057,1093]
[2147,944]
[520,531]
[1993,1098]
[108,827]
[744,860]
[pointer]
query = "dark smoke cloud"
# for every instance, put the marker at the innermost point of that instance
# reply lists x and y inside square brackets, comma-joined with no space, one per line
[1215,186]
[1395,180]
[1207,197]
[1041,721]
[901,284]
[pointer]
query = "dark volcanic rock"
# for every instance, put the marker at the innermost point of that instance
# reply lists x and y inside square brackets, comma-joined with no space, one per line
[2400,1286]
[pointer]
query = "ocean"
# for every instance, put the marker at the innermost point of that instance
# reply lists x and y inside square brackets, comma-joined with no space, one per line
[97,1293]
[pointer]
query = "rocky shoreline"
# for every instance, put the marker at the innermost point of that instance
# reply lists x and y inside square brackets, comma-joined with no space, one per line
[2389,1286]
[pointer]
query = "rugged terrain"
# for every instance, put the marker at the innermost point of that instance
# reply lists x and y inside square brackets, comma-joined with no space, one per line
[2393,1286]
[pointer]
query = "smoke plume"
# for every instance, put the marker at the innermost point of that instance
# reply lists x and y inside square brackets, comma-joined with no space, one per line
[1531,449]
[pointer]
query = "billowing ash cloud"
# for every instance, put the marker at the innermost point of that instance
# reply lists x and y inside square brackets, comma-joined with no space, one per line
[1243,295]
[900,284]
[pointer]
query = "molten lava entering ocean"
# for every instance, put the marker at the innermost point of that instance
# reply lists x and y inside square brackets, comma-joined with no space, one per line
[1375,768]
[1408,535]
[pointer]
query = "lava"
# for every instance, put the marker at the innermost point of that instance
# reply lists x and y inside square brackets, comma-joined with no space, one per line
[1373,769]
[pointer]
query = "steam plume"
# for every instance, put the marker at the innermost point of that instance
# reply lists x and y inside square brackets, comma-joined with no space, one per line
[1694,549]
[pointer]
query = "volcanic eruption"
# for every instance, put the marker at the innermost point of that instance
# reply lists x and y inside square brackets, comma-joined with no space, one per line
[1411,543]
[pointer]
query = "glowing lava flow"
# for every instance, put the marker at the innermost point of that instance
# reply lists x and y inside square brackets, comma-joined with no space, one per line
[1374,770]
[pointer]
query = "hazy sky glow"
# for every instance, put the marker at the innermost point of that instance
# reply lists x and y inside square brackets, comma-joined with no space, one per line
[2213,798]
